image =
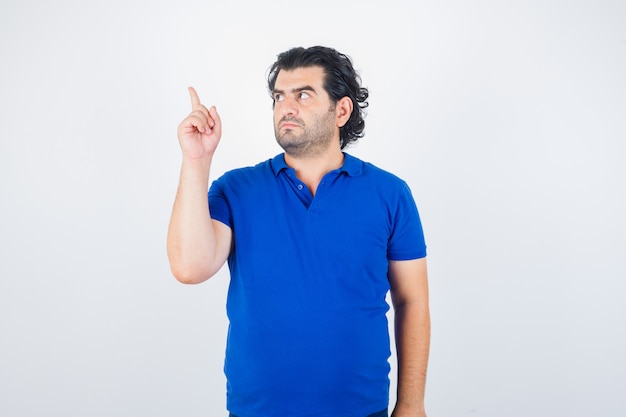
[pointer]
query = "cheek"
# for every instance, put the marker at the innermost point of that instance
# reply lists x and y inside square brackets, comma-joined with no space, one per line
[279,108]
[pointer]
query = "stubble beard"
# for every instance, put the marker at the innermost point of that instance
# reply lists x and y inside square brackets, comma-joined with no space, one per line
[312,141]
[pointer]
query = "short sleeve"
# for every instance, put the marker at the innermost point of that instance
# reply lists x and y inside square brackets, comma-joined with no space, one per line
[218,204]
[407,236]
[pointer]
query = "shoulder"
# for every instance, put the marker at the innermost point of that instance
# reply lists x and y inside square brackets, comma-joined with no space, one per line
[244,175]
[257,169]
[373,174]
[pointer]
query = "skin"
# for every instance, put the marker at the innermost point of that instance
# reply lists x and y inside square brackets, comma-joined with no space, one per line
[306,125]
[300,138]
[409,294]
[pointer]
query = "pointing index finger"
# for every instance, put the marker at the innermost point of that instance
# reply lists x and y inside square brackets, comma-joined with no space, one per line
[195,100]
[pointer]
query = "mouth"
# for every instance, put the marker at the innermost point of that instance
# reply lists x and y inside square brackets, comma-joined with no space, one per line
[288,124]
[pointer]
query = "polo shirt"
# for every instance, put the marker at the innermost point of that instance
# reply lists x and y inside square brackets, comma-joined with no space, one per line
[308,332]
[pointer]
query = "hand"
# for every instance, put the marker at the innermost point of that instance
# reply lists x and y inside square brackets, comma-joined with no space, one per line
[201,131]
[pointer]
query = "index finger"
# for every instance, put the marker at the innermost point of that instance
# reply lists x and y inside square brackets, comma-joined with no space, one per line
[195,100]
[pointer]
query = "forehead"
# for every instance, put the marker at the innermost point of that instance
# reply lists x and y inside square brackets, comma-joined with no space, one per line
[299,77]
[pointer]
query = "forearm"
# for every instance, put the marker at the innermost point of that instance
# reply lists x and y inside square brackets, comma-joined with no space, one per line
[412,329]
[191,240]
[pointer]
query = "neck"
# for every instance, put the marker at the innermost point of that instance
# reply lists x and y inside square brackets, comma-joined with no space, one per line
[311,170]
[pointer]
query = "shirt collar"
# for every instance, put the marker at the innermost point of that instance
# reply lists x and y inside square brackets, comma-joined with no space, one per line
[351,165]
[278,163]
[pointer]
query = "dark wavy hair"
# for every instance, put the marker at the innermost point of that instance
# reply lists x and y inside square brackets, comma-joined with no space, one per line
[341,80]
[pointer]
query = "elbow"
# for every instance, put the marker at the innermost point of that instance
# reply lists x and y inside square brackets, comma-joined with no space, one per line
[185,269]
[191,267]
[190,275]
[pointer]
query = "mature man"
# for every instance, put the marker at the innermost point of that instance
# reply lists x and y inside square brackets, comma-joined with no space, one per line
[314,239]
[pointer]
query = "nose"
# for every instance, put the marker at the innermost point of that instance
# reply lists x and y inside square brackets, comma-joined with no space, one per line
[287,107]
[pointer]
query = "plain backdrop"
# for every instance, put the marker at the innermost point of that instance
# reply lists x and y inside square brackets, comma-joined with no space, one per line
[506,118]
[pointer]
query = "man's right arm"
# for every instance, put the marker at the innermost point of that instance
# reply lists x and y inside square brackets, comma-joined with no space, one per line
[197,246]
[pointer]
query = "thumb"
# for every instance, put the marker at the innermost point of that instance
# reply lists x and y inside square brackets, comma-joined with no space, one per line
[217,127]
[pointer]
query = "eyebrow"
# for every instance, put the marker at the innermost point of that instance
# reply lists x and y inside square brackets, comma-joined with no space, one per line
[296,90]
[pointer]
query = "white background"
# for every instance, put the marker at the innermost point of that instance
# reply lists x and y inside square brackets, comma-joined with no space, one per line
[507,119]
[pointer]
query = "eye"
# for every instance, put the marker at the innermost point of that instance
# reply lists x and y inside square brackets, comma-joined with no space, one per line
[279,97]
[304,95]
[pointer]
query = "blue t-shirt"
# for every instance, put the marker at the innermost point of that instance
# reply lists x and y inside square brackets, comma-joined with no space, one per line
[308,334]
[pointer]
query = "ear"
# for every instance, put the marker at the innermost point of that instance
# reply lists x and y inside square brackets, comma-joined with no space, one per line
[343,110]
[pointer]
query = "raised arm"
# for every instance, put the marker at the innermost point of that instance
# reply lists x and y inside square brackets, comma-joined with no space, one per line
[197,246]
[409,294]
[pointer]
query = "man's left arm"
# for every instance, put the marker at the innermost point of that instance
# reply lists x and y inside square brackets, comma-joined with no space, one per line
[409,294]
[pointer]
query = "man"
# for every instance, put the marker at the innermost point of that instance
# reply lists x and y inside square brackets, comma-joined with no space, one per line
[314,239]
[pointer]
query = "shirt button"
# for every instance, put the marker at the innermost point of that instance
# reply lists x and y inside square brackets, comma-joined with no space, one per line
[300,186]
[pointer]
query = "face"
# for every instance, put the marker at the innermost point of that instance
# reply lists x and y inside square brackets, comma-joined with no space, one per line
[305,119]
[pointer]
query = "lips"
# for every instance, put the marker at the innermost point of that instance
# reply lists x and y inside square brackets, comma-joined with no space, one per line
[289,123]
